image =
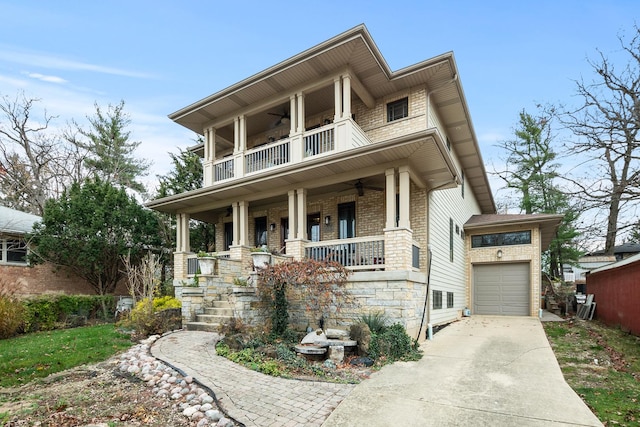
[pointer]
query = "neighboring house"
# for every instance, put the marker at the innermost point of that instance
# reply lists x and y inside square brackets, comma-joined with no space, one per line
[578,273]
[623,251]
[15,272]
[330,154]
[616,291]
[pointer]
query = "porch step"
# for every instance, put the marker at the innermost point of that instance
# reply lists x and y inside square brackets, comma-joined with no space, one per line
[214,319]
[219,313]
[201,326]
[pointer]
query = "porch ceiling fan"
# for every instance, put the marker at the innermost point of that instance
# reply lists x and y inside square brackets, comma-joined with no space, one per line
[360,187]
[284,119]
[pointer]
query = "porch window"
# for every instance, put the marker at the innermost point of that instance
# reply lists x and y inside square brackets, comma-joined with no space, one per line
[347,220]
[228,235]
[437,300]
[13,251]
[313,227]
[260,231]
[398,109]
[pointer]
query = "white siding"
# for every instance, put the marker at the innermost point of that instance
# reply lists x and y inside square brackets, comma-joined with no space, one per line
[447,275]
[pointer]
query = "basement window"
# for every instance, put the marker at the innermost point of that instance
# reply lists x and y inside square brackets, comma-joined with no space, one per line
[437,300]
[449,299]
[398,109]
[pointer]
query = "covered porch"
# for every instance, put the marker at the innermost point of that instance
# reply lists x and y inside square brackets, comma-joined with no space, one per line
[361,223]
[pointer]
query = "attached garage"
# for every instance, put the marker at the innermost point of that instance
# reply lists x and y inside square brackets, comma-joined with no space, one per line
[501,289]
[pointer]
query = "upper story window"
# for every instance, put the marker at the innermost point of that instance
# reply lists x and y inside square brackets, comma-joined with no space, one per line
[501,239]
[13,251]
[398,109]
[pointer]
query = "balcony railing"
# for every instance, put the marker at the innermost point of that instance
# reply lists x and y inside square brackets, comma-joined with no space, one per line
[223,169]
[268,156]
[362,253]
[329,138]
[319,142]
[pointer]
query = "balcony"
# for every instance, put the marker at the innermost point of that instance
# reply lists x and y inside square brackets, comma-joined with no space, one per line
[296,149]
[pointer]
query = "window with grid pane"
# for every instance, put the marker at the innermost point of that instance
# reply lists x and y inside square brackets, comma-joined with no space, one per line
[13,251]
[437,299]
[449,299]
[398,109]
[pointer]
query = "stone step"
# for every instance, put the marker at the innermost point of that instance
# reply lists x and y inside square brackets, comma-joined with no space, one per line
[212,318]
[218,311]
[221,304]
[201,326]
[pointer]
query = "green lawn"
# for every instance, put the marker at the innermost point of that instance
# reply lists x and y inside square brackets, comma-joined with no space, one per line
[602,365]
[37,355]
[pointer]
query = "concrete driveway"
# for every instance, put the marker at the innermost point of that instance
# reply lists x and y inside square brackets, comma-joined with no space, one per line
[480,371]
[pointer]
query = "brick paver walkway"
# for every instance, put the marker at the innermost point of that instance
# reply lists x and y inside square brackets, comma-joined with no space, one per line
[250,397]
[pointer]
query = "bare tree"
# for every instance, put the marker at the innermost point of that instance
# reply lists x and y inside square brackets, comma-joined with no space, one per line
[606,126]
[35,163]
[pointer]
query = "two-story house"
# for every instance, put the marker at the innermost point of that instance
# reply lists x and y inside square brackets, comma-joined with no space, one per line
[330,154]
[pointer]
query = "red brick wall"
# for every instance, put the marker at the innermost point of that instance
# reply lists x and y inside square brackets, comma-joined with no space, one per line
[617,294]
[42,279]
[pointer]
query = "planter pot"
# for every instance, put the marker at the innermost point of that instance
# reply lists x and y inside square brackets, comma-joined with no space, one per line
[207,265]
[261,259]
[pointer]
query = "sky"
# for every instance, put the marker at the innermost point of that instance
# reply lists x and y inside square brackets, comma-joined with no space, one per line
[160,56]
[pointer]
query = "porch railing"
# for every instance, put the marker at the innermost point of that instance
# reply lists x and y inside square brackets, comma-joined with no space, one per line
[361,253]
[268,156]
[318,142]
[192,262]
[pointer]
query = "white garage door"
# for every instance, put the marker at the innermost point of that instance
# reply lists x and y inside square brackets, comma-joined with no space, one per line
[501,289]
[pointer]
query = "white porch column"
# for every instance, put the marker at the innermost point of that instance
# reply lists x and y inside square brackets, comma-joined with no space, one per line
[390,193]
[179,233]
[300,111]
[293,125]
[302,213]
[243,208]
[209,155]
[182,232]
[236,136]
[292,215]
[210,144]
[346,96]
[405,199]
[243,133]
[337,99]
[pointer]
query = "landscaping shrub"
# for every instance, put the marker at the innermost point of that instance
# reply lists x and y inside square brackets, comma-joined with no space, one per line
[393,344]
[154,316]
[315,287]
[376,321]
[48,312]
[11,311]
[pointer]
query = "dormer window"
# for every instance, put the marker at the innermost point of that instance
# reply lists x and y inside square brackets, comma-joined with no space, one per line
[398,109]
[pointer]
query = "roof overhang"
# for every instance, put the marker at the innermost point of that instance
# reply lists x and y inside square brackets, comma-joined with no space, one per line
[424,152]
[547,223]
[355,51]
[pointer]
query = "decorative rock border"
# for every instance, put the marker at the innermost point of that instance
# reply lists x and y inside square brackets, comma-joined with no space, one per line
[195,402]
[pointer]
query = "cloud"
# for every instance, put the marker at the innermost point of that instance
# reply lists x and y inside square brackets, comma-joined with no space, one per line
[44,78]
[44,60]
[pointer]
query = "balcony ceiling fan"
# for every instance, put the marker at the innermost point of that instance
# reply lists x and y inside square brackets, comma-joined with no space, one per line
[284,119]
